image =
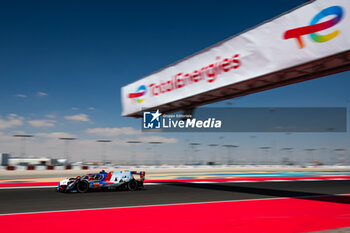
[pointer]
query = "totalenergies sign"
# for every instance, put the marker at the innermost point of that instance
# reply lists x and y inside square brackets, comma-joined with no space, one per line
[319,29]
[315,26]
[207,73]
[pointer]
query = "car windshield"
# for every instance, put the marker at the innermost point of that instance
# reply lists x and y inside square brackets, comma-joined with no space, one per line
[98,177]
[93,177]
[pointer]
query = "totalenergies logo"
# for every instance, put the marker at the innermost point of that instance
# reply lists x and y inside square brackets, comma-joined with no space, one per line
[138,94]
[208,73]
[314,27]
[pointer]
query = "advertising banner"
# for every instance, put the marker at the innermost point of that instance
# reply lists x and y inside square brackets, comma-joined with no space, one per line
[262,120]
[308,33]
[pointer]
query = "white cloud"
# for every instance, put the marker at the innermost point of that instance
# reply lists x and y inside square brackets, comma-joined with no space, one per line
[12,121]
[78,117]
[75,109]
[50,116]
[108,132]
[158,139]
[21,96]
[91,108]
[41,93]
[5,137]
[42,123]
[55,135]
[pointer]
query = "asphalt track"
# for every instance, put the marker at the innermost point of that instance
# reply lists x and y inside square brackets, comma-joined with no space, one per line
[47,199]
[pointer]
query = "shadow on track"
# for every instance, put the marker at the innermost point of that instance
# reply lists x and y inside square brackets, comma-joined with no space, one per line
[269,192]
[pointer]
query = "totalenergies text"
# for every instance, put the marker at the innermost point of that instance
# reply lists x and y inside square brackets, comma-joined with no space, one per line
[207,73]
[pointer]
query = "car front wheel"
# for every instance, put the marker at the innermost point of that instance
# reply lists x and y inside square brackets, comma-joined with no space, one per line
[83,186]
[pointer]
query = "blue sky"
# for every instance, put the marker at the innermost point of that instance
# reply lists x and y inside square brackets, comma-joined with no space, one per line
[62,64]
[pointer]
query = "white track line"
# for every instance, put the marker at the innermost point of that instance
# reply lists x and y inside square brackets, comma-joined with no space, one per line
[311,179]
[243,181]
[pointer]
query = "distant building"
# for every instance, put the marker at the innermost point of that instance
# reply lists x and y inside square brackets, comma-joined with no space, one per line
[17,161]
[4,159]
[29,161]
[8,160]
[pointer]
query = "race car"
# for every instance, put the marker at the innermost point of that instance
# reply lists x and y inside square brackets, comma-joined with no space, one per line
[103,180]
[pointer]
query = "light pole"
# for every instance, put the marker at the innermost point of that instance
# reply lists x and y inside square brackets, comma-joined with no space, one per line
[213,153]
[103,149]
[22,147]
[66,147]
[157,159]
[133,142]
[229,147]
[310,152]
[273,135]
[254,160]
[323,154]
[193,145]
[266,150]
[288,155]
[340,153]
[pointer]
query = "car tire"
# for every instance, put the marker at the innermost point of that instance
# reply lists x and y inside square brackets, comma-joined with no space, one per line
[83,186]
[132,185]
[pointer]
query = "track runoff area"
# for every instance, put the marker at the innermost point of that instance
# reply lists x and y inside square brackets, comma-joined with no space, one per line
[268,203]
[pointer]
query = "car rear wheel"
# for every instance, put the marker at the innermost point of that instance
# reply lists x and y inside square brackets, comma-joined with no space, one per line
[83,186]
[132,185]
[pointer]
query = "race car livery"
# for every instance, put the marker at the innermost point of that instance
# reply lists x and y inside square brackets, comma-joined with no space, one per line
[103,180]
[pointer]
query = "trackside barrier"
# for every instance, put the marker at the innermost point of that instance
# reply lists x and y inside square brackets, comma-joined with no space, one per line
[10,168]
[41,168]
[31,167]
[50,167]
[76,168]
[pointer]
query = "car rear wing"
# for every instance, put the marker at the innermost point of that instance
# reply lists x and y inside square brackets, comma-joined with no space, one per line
[142,174]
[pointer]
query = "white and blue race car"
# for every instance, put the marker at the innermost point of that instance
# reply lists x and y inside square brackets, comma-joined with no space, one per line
[103,180]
